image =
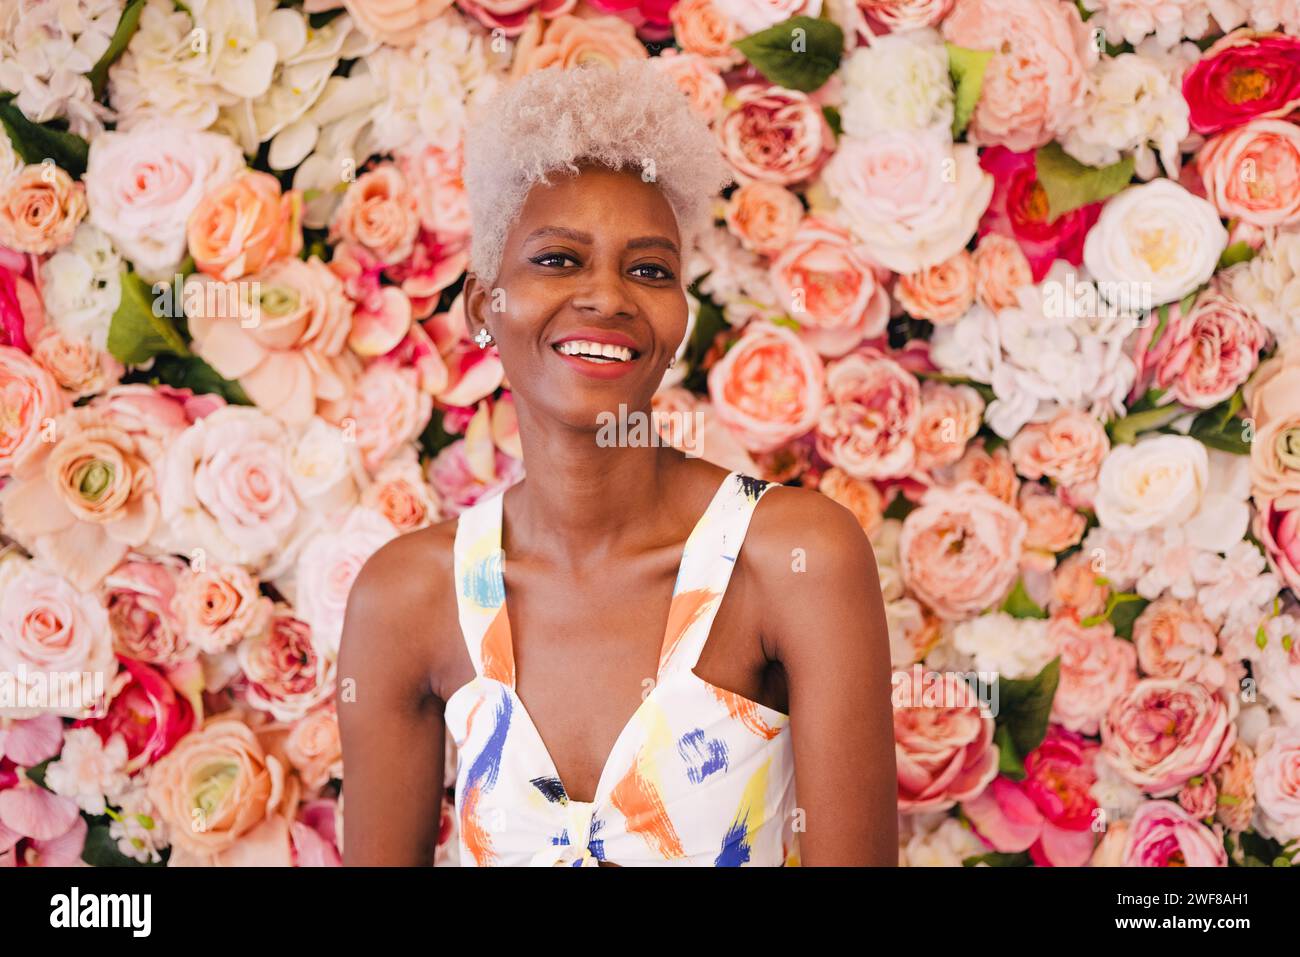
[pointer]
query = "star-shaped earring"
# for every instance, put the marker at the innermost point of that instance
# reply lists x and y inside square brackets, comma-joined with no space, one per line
[483,337]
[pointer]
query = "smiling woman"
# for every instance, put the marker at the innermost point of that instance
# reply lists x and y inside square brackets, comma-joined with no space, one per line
[650,693]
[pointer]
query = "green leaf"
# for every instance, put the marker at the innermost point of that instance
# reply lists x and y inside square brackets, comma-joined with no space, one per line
[196,375]
[435,438]
[1122,609]
[833,118]
[1025,704]
[984,389]
[709,321]
[1238,252]
[36,142]
[1219,427]
[966,67]
[1010,762]
[126,26]
[136,333]
[101,850]
[1070,184]
[997,859]
[1126,430]
[1020,605]
[900,507]
[800,54]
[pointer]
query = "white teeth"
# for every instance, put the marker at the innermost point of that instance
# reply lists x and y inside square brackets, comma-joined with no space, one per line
[595,351]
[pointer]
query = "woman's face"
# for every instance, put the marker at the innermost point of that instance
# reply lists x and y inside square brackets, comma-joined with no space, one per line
[593,261]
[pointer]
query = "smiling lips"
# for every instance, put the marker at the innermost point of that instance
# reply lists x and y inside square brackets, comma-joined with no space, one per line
[603,356]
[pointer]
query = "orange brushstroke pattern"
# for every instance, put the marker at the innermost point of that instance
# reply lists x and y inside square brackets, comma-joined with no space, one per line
[745,711]
[477,839]
[685,610]
[498,658]
[638,800]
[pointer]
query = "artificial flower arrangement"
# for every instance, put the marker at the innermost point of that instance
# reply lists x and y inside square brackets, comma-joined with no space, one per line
[1015,281]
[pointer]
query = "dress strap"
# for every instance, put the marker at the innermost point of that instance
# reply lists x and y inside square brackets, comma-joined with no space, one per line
[480,590]
[707,563]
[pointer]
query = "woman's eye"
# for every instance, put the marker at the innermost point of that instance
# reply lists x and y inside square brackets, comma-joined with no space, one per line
[665,274]
[542,259]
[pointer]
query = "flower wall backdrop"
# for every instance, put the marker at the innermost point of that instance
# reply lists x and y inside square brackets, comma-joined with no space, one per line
[1016,281]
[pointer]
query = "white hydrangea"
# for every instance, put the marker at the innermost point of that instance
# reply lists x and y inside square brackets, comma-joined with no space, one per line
[1269,284]
[1117,797]
[1168,20]
[140,831]
[899,82]
[82,286]
[45,51]
[1236,588]
[1039,356]
[1277,665]
[1012,647]
[1134,103]
[89,771]
[737,277]
[945,846]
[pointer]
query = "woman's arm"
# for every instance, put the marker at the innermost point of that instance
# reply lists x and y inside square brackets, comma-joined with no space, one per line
[390,721]
[824,621]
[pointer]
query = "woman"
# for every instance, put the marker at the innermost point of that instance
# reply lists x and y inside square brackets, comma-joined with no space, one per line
[655,694]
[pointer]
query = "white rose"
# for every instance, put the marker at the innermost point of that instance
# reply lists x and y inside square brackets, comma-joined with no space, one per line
[1158,235]
[945,846]
[82,286]
[900,82]
[1010,646]
[325,468]
[1173,481]
[142,185]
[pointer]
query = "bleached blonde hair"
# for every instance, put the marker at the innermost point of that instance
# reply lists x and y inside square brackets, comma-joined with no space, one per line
[630,115]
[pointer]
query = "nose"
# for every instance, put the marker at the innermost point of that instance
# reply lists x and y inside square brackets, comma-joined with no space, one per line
[603,294]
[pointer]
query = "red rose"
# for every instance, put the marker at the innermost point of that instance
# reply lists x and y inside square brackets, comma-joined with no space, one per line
[1243,76]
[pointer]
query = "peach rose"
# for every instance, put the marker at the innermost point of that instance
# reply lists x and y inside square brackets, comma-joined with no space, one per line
[861,498]
[314,748]
[830,287]
[395,22]
[1252,172]
[218,786]
[763,216]
[380,213]
[959,551]
[219,606]
[243,225]
[899,15]
[950,417]
[1164,731]
[775,134]
[941,293]
[872,411]
[1174,639]
[286,346]
[1036,82]
[568,40]
[1273,395]
[1053,526]
[991,471]
[1077,588]
[768,388]
[433,176]
[1162,834]
[1001,269]
[1068,449]
[389,410]
[76,364]
[30,400]
[1235,780]
[288,671]
[401,495]
[1096,668]
[697,79]
[945,755]
[699,27]
[85,500]
[40,207]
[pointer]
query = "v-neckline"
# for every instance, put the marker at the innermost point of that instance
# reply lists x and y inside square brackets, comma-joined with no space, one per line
[601,784]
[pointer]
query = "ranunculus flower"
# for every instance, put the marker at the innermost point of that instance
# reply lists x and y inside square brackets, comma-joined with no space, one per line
[1243,75]
[1162,834]
[243,225]
[1252,172]
[219,605]
[913,197]
[1037,78]
[570,40]
[40,207]
[143,184]
[940,293]
[30,400]
[872,411]
[774,134]
[827,283]
[51,629]
[763,216]
[1273,396]
[86,499]
[1049,813]
[146,711]
[289,671]
[768,388]
[1018,210]
[219,787]
[1096,668]
[945,753]
[1164,731]
[959,551]
[1156,237]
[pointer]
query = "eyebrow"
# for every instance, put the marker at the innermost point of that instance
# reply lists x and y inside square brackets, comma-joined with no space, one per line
[577,236]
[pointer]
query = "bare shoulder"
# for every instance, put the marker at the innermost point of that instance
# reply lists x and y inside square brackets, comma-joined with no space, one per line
[402,606]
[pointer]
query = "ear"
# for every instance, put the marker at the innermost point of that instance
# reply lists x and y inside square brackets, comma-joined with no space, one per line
[476,294]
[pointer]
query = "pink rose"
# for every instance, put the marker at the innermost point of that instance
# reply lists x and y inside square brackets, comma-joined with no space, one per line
[763,216]
[1241,76]
[991,471]
[1053,526]
[389,410]
[899,15]
[1277,783]
[1049,813]
[1252,172]
[289,672]
[950,417]
[1174,639]
[140,597]
[219,605]
[1235,782]
[775,134]
[872,411]
[146,711]
[51,630]
[378,212]
[698,80]
[243,225]
[768,388]
[1164,731]
[395,22]
[402,496]
[22,313]
[328,565]
[825,281]
[1068,449]
[1162,834]
[1096,668]
[512,16]
[1001,269]
[959,551]
[1210,351]
[1273,397]
[941,293]
[945,754]
[1036,81]
[433,175]
[314,748]
[32,400]
[700,27]
[75,363]
[1278,530]
[1077,588]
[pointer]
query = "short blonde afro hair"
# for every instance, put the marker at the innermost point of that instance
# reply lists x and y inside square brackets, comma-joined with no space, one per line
[628,115]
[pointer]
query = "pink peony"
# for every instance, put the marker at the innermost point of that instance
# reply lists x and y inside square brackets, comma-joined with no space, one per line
[775,134]
[945,754]
[1096,668]
[146,711]
[871,415]
[1162,834]
[1252,172]
[1243,75]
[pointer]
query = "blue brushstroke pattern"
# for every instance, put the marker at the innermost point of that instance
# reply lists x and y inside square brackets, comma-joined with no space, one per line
[703,757]
[735,845]
[485,582]
[483,772]
[552,789]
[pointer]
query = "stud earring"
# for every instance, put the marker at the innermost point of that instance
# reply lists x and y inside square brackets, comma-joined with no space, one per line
[483,338]
[672,362]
